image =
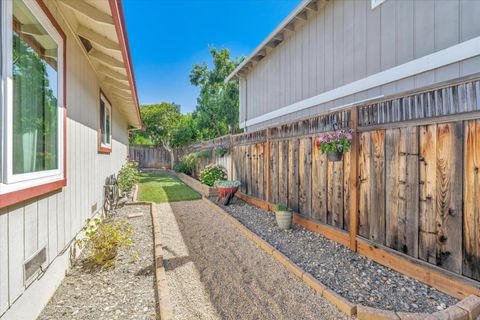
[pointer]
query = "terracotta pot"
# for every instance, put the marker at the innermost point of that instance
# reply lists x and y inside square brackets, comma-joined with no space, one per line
[334,156]
[284,219]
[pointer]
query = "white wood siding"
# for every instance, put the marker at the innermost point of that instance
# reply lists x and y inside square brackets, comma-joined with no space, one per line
[347,41]
[56,218]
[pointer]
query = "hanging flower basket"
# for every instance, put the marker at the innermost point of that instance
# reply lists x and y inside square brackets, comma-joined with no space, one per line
[334,144]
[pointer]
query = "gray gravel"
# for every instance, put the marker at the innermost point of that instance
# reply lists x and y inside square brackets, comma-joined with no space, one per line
[214,272]
[354,277]
[124,291]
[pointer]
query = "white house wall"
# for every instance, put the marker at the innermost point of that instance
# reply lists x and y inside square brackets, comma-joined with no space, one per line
[347,41]
[56,218]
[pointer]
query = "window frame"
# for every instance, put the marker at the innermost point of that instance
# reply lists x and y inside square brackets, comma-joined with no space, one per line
[19,187]
[102,147]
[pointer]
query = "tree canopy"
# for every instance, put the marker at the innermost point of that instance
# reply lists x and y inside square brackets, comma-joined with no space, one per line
[216,113]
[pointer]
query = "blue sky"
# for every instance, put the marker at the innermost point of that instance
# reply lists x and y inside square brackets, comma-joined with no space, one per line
[167,37]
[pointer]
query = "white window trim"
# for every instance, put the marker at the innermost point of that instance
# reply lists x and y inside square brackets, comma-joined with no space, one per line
[103,125]
[15,182]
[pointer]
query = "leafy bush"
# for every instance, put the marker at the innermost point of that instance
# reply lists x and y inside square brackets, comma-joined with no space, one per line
[281,207]
[187,163]
[128,176]
[182,167]
[103,240]
[204,154]
[212,173]
[337,141]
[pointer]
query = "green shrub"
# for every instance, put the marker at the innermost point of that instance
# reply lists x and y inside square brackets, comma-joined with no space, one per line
[103,240]
[212,173]
[205,154]
[128,176]
[182,167]
[281,207]
[226,184]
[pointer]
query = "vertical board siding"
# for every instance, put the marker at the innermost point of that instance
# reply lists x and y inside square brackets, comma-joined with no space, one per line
[471,235]
[293,174]
[319,186]
[346,40]
[54,219]
[305,176]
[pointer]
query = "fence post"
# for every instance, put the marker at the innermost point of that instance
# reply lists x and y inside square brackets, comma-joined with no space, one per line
[354,155]
[266,166]
[231,156]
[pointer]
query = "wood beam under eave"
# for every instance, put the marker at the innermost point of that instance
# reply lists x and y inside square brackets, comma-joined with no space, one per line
[290,27]
[105,59]
[97,38]
[279,36]
[302,16]
[111,73]
[116,84]
[312,6]
[89,11]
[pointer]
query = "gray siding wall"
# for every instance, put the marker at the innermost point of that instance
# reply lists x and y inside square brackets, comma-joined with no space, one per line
[56,218]
[346,41]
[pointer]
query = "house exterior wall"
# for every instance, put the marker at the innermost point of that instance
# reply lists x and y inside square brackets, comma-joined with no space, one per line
[56,218]
[346,41]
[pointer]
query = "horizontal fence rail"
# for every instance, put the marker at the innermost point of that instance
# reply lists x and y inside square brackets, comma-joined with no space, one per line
[409,184]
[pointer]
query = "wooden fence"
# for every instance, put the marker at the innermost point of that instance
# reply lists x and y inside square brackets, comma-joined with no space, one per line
[149,157]
[410,183]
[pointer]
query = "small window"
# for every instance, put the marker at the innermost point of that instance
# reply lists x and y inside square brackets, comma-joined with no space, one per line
[33,96]
[105,124]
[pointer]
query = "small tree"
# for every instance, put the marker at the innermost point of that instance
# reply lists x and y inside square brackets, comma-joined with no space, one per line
[161,121]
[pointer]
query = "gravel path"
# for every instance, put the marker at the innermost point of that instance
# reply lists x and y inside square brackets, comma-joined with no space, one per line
[125,291]
[214,272]
[354,277]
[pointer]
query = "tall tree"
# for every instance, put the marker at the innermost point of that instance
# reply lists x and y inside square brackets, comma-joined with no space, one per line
[160,121]
[216,113]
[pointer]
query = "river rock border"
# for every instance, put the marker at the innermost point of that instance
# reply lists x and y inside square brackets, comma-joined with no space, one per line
[466,309]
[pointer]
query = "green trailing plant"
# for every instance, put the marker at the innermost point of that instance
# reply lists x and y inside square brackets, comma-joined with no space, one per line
[337,141]
[128,176]
[212,173]
[221,150]
[103,241]
[281,207]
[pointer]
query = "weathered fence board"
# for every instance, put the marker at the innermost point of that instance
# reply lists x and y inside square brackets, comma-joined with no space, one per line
[150,157]
[471,261]
[293,174]
[283,172]
[319,186]
[402,189]
[372,186]
[274,172]
[305,176]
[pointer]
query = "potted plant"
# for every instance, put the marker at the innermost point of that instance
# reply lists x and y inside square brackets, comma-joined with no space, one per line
[221,150]
[284,216]
[334,144]
[226,190]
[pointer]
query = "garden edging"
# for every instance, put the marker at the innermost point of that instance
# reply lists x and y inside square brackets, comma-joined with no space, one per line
[197,185]
[466,309]
[163,296]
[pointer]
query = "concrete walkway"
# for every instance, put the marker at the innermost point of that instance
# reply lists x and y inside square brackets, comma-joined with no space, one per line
[214,272]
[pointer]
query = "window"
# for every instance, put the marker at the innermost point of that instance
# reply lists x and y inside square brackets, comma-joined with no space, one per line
[105,131]
[33,113]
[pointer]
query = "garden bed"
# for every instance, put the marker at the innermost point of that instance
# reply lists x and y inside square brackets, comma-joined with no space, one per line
[354,277]
[124,291]
[198,186]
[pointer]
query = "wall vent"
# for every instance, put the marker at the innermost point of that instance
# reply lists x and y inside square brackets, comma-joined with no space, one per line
[33,265]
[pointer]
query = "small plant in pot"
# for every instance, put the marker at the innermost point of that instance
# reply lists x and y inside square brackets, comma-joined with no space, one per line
[334,144]
[284,216]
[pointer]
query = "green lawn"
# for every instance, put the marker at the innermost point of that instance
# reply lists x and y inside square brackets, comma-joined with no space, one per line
[163,187]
